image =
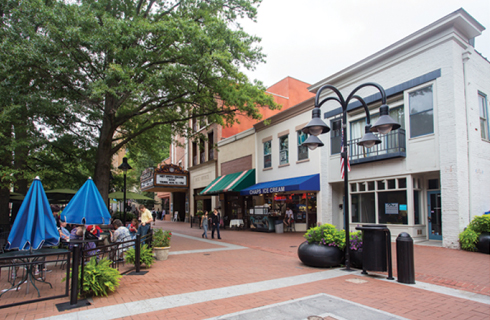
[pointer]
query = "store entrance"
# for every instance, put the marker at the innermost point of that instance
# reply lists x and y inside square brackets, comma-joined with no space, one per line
[435,215]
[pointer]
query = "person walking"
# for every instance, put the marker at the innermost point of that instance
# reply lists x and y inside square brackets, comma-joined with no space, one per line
[216,219]
[146,219]
[204,224]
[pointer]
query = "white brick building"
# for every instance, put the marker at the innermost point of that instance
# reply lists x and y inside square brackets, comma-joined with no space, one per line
[436,168]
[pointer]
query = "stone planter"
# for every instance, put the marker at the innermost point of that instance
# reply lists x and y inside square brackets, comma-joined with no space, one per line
[161,253]
[315,255]
[356,258]
[483,244]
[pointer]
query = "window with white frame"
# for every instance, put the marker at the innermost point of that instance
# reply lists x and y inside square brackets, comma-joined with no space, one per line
[389,142]
[483,106]
[421,104]
[302,149]
[381,201]
[267,154]
[284,150]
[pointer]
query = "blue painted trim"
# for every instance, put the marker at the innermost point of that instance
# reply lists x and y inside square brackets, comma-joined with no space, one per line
[389,93]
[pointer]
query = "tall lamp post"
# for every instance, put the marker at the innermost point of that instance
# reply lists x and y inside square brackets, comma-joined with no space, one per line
[316,127]
[124,167]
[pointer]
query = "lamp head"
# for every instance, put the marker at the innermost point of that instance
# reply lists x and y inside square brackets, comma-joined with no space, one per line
[125,165]
[385,123]
[369,139]
[313,142]
[316,126]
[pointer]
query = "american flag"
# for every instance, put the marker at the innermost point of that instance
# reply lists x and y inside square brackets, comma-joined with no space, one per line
[341,157]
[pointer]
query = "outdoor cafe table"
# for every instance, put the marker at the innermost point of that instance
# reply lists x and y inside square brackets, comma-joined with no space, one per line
[236,222]
[30,258]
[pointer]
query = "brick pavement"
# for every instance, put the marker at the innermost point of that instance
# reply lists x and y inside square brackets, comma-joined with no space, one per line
[270,256]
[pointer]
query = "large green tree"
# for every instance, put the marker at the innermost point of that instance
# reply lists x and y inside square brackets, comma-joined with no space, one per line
[107,71]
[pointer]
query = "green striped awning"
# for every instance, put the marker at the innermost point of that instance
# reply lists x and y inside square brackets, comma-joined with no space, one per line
[233,182]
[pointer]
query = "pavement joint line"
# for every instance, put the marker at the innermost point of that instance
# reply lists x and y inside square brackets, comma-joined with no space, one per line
[227,246]
[184,299]
[476,297]
[357,312]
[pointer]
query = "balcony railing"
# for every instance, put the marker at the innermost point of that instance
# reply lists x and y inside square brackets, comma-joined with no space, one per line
[203,157]
[211,154]
[393,145]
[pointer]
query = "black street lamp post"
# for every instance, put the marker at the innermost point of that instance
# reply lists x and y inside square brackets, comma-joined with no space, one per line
[316,127]
[124,167]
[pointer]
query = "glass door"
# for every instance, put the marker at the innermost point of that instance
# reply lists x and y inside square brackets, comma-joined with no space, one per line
[434,216]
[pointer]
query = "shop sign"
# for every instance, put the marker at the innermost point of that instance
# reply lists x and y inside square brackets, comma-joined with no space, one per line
[267,190]
[147,183]
[171,180]
[391,208]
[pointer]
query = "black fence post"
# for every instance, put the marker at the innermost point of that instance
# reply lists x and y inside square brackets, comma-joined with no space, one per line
[74,275]
[137,253]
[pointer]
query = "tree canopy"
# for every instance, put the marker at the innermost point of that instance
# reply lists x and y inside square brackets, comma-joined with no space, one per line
[94,75]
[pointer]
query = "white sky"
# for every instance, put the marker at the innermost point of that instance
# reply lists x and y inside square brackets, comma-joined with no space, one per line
[312,39]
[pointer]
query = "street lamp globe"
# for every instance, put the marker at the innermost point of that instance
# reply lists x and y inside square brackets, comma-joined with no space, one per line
[369,139]
[385,123]
[316,126]
[313,142]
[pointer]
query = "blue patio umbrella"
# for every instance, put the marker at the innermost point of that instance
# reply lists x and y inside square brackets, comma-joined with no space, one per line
[86,207]
[34,225]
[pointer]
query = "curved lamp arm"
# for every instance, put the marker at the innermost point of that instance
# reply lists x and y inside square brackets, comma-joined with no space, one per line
[368,84]
[337,92]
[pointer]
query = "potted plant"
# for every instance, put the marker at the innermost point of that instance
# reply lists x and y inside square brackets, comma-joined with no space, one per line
[356,249]
[477,235]
[161,243]
[323,247]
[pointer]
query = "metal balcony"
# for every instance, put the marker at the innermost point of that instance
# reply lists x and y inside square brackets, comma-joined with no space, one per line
[393,145]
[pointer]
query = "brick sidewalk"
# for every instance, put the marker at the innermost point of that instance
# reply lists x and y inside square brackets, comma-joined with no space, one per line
[270,256]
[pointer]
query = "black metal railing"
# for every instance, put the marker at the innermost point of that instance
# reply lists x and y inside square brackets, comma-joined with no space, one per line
[31,270]
[393,145]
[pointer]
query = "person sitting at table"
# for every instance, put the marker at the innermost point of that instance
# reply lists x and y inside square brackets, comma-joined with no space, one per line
[95,230]
[77,234]
[121,234]
[133,228]
[64,233]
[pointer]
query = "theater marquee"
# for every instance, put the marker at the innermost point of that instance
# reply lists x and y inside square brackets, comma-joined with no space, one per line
[166,178]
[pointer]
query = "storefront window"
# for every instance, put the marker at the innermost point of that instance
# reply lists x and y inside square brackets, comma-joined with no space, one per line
[363,208]
[392,207]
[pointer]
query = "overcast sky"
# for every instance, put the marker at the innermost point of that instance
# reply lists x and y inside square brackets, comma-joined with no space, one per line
[312,39]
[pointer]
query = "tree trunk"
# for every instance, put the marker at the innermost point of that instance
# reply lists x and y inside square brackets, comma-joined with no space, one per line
[103,164]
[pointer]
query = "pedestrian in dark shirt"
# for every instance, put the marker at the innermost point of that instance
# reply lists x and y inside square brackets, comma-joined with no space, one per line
[216,219]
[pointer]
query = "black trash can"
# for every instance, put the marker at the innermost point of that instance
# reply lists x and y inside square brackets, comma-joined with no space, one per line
[376,249]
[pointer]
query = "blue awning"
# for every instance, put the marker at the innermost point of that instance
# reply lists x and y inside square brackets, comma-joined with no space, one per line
[305,183]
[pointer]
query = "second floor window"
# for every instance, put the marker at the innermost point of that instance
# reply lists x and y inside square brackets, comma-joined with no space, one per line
[302,150]
[267,154]
[421,105]
[482,102]
[283,150]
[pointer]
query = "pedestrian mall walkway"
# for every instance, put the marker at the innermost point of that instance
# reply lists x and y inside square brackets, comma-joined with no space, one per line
[254,275]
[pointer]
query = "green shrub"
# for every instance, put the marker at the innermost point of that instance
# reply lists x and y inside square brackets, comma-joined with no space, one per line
[480,224]
[468,239]
[99,278]
[146,256]
[326,235]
